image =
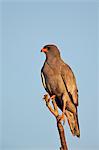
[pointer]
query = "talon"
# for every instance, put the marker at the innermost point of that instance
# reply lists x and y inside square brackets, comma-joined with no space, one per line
[47,100]
[45,96]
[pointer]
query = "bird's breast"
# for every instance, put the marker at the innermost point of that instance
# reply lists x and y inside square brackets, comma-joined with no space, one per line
[53,80]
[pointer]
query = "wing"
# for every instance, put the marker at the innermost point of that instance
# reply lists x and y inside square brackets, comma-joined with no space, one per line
[70,83]
[43,80]
[73,123]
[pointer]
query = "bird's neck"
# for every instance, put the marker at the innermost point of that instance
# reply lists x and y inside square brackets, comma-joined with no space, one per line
[51,61]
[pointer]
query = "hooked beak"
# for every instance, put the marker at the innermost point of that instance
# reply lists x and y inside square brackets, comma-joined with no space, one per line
[44,50]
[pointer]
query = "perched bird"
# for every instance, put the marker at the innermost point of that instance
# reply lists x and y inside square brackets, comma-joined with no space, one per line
[59,81]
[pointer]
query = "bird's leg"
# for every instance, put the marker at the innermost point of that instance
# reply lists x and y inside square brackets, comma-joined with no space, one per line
[63,114]
[62,117]
[54,104]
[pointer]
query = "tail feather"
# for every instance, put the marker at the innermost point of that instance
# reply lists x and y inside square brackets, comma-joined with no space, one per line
[73,123]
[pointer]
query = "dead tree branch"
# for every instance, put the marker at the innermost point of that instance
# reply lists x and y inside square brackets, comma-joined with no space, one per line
[55,112]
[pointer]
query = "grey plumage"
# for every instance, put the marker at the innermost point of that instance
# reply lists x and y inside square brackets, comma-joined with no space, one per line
[58,79]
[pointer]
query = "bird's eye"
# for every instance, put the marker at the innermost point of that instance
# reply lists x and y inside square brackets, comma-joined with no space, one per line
[48,48]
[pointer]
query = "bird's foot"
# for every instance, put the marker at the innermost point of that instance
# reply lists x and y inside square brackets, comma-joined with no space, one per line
[47,99]
[61,118]
[53,97]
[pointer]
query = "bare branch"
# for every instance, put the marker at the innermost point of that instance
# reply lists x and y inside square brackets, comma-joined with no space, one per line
[55,112]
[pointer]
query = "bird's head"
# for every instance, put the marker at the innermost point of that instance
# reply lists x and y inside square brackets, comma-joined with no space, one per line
[51,51]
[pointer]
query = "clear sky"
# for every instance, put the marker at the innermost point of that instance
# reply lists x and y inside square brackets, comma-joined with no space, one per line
[26,28]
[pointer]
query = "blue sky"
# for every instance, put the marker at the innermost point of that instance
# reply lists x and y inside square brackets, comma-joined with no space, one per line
[26,28]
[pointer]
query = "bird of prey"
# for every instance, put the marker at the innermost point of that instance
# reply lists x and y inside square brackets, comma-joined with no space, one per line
[58,80]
